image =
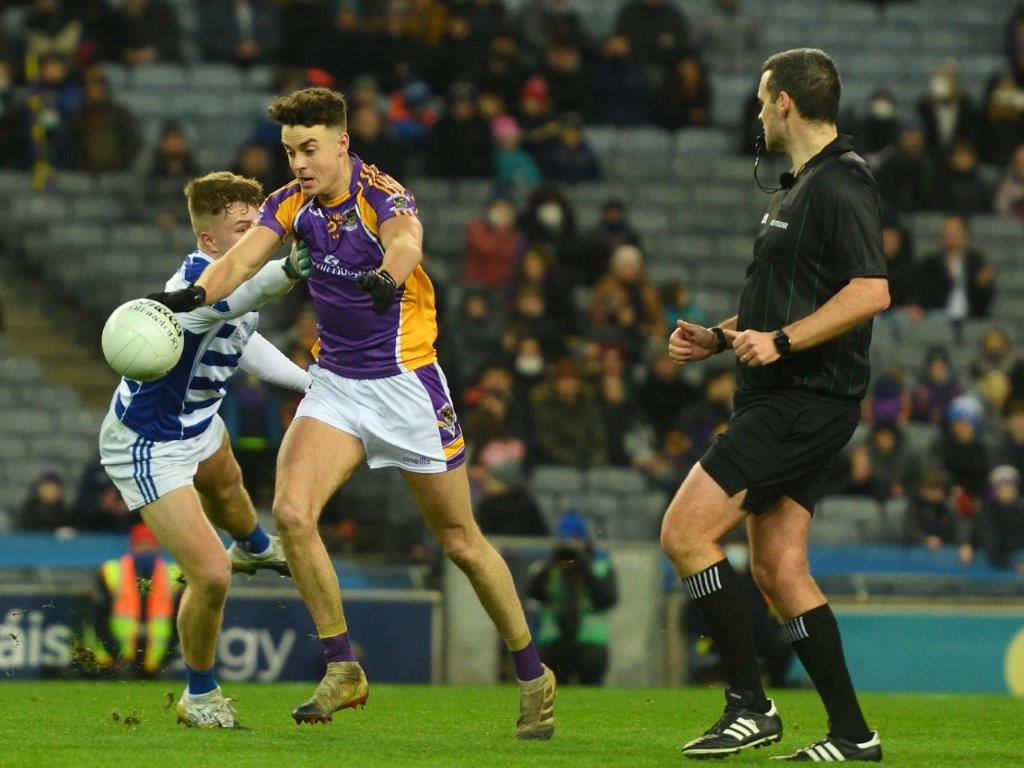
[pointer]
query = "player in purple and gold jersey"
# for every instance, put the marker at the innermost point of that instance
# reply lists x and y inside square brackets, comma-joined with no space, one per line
[378,394]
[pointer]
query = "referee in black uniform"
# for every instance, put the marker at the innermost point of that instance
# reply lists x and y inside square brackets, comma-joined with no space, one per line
[801,341]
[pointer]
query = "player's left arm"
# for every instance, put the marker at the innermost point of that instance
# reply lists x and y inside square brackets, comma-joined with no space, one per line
[402,238]
[266,362]
[851,227]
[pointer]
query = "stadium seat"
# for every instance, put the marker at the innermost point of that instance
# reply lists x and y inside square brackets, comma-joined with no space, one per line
[551,478]
[615,480]
[159,77]
[217,77]
[921,436]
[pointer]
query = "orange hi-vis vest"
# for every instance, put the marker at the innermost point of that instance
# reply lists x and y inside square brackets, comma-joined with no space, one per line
[126,617]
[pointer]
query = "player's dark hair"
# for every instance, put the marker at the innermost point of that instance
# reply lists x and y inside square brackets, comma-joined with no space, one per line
[214,193]
[311,106]
[811,79]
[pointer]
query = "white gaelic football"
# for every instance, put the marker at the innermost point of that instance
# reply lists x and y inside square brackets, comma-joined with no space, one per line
[142,339]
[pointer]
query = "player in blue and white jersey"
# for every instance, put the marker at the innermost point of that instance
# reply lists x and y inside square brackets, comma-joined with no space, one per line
[165,447]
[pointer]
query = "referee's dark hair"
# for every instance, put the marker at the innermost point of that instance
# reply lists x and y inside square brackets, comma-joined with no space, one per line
[811,79]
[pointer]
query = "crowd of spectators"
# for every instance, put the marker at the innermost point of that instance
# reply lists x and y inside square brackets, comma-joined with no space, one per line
[554,340]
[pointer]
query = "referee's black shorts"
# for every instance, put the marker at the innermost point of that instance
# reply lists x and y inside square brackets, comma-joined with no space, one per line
[780,443]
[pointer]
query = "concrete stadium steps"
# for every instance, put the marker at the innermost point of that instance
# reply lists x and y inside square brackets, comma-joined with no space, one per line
[39,326]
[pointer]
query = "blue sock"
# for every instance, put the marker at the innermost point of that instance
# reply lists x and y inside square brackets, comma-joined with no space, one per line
[200,682]
[257,541]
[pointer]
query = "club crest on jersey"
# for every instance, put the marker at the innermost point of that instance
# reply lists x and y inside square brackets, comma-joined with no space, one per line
[446,419]
[345,220]
[399,202]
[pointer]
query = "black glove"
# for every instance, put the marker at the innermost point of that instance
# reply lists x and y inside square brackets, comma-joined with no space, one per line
[381,287]
[183,300]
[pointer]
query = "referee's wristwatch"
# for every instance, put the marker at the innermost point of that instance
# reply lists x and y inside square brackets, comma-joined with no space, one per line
[723,343]
[781,339]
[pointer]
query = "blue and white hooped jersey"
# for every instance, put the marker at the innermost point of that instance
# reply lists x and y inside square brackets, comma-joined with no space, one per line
[181,404]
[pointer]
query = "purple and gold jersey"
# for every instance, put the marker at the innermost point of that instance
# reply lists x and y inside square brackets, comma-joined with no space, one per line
[343,236]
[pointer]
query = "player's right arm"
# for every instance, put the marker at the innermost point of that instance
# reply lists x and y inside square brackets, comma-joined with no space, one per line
[221,278]
[242,261]
[246,258]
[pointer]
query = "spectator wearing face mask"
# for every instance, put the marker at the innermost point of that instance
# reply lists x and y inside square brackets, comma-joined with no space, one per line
[506,506]
[529,367]
[493,246]
[881,129]
[549,220]
[947,111]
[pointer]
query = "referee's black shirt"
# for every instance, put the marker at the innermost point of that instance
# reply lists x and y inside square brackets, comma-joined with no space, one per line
[815,237]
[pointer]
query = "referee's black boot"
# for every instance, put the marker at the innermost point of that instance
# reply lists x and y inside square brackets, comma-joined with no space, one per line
[836,749]
[739,728]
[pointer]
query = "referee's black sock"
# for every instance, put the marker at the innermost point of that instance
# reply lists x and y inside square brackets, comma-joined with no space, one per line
[815,638]
[723,604]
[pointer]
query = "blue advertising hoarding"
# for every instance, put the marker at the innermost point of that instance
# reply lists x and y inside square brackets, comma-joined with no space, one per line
[267,634]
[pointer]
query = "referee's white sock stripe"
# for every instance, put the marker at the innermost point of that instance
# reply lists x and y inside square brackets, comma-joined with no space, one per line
[795,629]
[703,583]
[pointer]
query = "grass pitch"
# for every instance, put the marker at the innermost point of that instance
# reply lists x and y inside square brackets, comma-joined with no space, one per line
[108,725]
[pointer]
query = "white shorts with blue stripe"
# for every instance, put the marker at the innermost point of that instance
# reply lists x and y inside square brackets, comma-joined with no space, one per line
[144,470]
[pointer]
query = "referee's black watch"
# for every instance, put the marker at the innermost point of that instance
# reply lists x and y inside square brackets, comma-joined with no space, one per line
[781,339]
[723,343]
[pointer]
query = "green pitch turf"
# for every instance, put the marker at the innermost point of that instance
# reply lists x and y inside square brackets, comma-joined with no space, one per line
[73,725]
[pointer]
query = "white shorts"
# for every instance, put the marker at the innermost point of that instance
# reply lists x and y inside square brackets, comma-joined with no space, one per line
[403,421]
[144,470]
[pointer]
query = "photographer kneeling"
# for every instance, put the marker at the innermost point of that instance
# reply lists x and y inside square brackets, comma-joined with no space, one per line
[575,586]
